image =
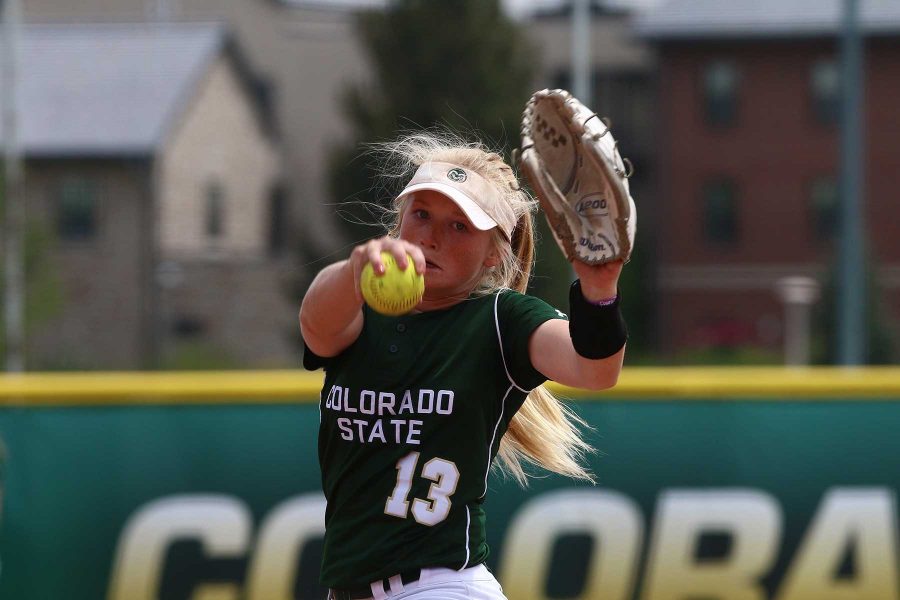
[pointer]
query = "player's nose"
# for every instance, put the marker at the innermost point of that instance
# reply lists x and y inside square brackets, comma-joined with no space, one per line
[430,237]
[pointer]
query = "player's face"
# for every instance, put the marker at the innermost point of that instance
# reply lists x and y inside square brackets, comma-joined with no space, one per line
[456,253]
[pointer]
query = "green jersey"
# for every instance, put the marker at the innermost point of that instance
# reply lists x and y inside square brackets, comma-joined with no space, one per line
[411,416]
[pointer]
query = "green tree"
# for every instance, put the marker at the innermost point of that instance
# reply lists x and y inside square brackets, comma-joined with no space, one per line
[43,296]
[461,65]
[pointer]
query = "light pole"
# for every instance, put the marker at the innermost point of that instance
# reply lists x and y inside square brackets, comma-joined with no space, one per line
[851,275]
[581,50]
[13,204]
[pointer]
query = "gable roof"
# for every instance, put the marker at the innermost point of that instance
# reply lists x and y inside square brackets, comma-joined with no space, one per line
[708,19]
[104,89]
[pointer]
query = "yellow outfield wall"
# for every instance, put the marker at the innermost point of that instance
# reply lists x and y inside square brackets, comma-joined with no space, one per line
[289,386]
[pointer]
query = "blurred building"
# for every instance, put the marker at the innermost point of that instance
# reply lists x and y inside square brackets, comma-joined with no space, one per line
[302,53]
[749,94]
[156,173]
[297,57]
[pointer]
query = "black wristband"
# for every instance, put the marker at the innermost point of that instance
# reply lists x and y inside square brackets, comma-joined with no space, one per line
[596,331]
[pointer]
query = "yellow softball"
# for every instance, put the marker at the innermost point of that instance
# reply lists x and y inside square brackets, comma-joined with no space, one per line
[396,292]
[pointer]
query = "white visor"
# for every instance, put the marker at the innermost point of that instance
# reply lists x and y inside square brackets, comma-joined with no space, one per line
[481,202]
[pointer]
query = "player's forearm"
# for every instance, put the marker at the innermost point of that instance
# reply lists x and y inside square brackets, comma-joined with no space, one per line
[331,305]
[552,352]
[602,373]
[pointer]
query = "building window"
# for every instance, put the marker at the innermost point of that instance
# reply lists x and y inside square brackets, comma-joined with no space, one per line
[189,326]
[720,92]
[825,88]
[720,211]
[824,207]
[215,209]
[77,209]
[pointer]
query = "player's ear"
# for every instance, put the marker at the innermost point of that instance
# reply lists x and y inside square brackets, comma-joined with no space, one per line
[493,257]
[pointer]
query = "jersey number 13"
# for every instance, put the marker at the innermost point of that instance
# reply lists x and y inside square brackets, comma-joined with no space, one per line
[435,509]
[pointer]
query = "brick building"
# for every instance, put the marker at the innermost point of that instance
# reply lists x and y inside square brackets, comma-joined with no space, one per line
[749,94]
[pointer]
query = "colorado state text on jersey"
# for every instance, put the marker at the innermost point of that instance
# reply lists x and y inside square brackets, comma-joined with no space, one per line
[383,404]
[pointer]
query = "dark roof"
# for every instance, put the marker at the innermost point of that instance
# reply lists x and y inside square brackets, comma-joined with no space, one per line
[105,89]
[698,19]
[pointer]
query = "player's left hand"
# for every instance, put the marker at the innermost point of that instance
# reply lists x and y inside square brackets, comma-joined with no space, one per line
[598,282]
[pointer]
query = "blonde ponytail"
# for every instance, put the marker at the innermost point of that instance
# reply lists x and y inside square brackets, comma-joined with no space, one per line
[544,432]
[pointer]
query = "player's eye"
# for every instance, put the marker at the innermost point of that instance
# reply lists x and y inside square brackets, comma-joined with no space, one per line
[421,213]
[460,226]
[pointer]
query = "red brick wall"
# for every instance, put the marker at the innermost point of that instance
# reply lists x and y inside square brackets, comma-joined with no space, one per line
[773,151]
[883,149]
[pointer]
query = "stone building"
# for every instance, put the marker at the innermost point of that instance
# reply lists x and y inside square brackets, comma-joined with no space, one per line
[302,54]
[149,159]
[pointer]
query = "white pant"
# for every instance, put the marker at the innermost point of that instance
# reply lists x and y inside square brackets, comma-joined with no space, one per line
[474,583]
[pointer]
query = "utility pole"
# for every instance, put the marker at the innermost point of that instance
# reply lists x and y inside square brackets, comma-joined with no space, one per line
[851,287]
[581,50]
[13,202]
[581,59]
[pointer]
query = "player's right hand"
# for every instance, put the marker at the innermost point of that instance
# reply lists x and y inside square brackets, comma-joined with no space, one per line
[370,252]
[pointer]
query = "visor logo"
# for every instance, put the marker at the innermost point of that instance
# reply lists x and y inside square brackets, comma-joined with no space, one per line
[457,175]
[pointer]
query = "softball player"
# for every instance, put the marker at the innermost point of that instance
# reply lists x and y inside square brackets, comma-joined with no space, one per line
[415,408]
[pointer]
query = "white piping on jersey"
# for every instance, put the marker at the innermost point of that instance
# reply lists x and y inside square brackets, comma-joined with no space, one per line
[487,471]
[500,341]
[468,523]
[493,437]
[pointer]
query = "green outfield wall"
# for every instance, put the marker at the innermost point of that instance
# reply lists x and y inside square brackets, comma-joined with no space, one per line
[737,484]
